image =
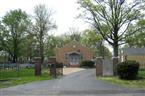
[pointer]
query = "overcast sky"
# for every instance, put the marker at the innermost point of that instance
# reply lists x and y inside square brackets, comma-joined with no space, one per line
[65,12]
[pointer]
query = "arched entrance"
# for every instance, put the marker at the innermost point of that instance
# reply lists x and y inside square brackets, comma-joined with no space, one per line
[74,58]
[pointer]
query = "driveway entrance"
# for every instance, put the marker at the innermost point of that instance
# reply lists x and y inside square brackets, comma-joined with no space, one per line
[69,71]
[82,83]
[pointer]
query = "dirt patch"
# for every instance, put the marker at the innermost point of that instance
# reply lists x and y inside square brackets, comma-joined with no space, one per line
[67,71]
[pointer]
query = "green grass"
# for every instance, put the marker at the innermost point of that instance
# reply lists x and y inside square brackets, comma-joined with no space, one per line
[12,77]
[140,83]
[142,73]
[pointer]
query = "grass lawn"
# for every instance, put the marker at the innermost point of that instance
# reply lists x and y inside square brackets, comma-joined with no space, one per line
[11,77]
[140,83]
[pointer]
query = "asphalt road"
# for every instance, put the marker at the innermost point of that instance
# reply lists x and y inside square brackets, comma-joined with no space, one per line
[81,83]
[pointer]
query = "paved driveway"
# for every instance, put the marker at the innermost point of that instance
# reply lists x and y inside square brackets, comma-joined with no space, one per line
[82,83]
[67,71]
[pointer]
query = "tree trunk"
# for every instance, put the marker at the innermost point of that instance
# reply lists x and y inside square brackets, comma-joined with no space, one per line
[41,52]
[14,58]
[115,42]
[15,54]
[115,58]
[14,61]
[41,47]
[115,50]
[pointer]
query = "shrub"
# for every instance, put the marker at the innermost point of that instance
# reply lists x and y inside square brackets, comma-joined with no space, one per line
[128,70]
[87,64]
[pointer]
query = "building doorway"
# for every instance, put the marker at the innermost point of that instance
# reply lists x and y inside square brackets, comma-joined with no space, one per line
[74,59]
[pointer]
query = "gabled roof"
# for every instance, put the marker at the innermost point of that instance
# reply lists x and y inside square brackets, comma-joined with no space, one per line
[134,51]
[74,44]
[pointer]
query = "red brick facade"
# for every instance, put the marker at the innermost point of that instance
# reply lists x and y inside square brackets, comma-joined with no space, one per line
[74,51]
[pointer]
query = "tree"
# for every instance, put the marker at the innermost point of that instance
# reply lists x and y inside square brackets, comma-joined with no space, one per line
[95,42]
[90,38]
[74,34]
[13,28]
[52,43]
[113,18]
[30,47]
[137,39]
[43,24]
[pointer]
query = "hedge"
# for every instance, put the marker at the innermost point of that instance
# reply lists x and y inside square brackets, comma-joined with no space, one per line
[128,70]
[87,64]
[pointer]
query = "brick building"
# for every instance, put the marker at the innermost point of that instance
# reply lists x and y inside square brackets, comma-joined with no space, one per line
[73,53]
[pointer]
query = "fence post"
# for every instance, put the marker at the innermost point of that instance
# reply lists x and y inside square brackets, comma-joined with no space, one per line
[99,66]
[37,66]
[115,62]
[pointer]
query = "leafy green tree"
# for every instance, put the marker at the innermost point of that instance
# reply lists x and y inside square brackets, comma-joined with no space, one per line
[137,39]
[95,42]
[53,42]
[13,31]
[90,38]
[74,34]
[113,18]
[43,23]
[30,49]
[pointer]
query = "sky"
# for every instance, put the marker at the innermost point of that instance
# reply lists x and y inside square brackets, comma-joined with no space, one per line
[65,14]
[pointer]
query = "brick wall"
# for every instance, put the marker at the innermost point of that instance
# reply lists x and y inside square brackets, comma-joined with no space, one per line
[73,47]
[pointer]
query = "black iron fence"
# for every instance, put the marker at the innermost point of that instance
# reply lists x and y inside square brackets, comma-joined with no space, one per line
[55,69]
[15,65]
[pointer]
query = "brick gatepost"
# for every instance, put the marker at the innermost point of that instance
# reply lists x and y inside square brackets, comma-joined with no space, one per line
[99,66]
[37,66]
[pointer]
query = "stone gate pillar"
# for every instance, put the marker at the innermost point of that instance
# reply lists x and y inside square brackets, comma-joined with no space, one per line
[115,62]
[99,66]
[37,66]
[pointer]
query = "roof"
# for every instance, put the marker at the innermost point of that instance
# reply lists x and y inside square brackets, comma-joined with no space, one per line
[73,52]
[74,44]
[134,51]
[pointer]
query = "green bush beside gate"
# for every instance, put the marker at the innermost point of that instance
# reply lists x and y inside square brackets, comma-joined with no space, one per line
[128,70]
[87,64]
